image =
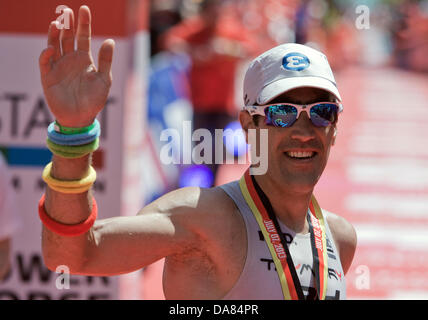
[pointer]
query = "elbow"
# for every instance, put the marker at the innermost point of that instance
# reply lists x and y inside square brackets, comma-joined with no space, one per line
[62,265]
[59,259]
[50,266]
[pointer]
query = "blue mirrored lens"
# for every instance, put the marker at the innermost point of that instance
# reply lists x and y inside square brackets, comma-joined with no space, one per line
[281,115]
[323,114]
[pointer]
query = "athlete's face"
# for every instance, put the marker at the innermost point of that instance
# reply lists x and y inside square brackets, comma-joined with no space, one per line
[297,155]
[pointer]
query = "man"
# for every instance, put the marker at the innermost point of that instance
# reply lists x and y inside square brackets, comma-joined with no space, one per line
[210,238]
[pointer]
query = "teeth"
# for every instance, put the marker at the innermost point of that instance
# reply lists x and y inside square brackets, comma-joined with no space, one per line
[300,154]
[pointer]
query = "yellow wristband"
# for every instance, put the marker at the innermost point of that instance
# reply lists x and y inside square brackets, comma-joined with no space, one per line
[69,186]
[71,190]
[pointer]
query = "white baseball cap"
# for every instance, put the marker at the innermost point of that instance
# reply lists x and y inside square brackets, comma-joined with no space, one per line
[284,68]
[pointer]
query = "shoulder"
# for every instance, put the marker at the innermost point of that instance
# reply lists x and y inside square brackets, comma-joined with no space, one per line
[193,199]
[195,208]
[345,237]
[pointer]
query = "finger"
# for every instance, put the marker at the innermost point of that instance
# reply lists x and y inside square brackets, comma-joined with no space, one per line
[67,33]
[83,34]
[105,58]
[45,62]
[53,39]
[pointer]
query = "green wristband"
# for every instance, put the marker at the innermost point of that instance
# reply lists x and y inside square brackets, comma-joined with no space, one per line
[72,152]
[69,130]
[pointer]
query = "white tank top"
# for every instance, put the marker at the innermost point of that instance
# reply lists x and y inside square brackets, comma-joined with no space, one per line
[259,279]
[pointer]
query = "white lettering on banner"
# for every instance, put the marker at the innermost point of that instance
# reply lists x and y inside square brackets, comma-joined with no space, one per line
[275,237]
[269,226]
[317,233]
[318,244]
[280,251]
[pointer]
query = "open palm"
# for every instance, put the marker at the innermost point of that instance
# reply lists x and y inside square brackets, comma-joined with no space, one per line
[74,89]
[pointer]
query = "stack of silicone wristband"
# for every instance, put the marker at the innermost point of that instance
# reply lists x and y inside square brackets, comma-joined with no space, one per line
[70,143]
[73,142]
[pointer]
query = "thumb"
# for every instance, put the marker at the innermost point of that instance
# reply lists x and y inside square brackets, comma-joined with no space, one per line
[105,58]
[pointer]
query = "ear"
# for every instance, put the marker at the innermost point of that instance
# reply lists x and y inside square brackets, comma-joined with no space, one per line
[246,122]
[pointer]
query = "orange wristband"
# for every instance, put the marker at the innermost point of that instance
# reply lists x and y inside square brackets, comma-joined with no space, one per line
[67,230]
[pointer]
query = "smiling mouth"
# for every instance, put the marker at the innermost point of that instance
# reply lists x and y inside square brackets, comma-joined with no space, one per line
[301,155]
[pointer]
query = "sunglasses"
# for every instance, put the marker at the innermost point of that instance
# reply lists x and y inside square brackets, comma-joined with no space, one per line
[284,115]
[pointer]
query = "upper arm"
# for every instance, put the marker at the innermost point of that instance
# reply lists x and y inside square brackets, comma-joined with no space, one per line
[170,225]
[345,238]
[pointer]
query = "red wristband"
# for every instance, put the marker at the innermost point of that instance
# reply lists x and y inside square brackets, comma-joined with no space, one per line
[67,230]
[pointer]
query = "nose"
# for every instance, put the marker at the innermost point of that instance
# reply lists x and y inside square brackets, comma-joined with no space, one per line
[303,129]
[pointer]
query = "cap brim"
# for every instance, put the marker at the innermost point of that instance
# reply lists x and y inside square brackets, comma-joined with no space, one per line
[275,89]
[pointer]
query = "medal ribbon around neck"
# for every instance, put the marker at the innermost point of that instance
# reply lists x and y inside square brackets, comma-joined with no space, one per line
[262,210]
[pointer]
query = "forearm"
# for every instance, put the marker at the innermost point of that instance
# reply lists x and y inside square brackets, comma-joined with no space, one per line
[67,209]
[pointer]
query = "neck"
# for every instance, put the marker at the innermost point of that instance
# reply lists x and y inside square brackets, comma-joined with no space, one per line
[289,206]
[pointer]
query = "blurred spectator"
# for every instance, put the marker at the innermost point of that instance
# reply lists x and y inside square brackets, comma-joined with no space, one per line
[216,43]
[163,15]
[9,221]
[301,22]
[410,35]
[324,25]
[270,22]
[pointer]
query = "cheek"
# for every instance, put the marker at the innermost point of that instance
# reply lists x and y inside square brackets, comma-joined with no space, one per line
[276,140]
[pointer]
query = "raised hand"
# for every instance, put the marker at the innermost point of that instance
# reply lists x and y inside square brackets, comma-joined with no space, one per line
[75,90]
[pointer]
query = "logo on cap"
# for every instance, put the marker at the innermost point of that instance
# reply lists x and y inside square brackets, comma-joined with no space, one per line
[295,61]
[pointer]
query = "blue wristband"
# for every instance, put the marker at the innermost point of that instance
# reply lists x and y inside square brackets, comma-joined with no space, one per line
[74,139]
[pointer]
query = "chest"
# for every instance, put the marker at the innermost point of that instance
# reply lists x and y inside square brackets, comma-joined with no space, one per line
[260,280]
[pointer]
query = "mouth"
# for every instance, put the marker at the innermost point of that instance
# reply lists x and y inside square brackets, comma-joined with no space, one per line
[301,155]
